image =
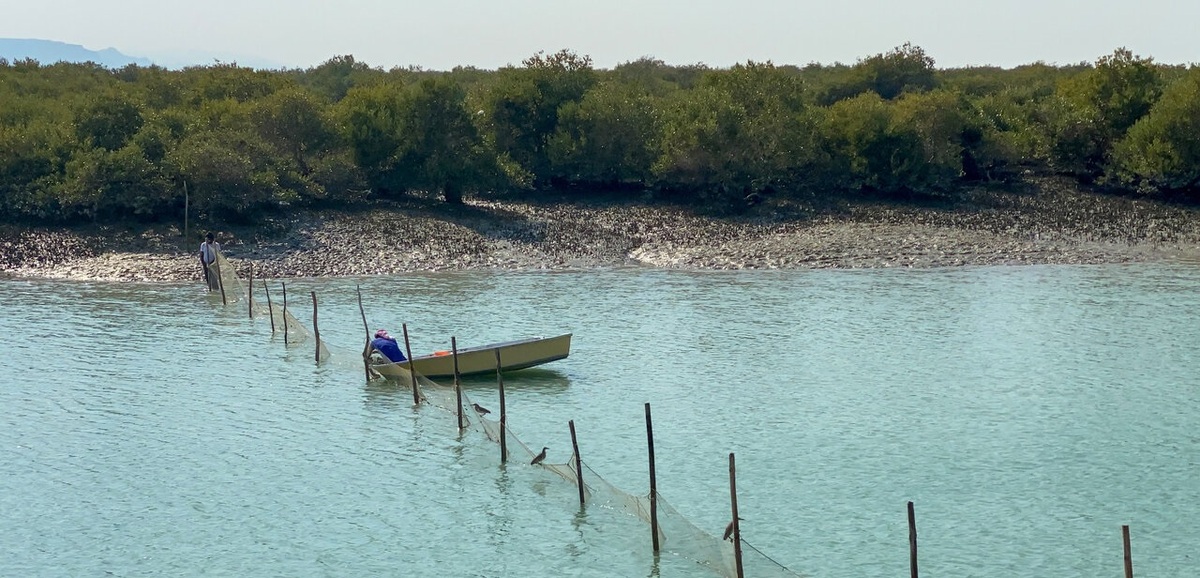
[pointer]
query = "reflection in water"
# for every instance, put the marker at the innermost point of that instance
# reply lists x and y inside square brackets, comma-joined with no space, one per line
[532,379]
[385,394]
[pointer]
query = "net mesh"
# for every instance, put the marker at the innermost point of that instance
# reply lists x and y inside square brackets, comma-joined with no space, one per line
[677,535]
[262,302]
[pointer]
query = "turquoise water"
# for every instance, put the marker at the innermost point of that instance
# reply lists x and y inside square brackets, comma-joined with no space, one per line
[1028,412]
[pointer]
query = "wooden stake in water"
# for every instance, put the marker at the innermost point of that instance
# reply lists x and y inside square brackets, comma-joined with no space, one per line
[503,411]
[285,323]
[653,481]
[578,461]
[912,540]
[737,530]
[221,282]
[462,424]
[367,330]
[250,292]
[1128,551]
[270,308]
[316,330]
[412,373]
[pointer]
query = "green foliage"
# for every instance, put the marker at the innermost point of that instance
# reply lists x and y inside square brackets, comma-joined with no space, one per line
[943,123]
[32,156]
[698,141]
[1073,138]
[335,77]
[230,174]
[1095,108]
[905,68]
[110,183]
[439,148]
[1162,151]
[1122,88]
[371,119]
[873,148]
[743,131]
[108,121]
[293,121]
[761,88]
[606,138]
[521,107]
[655,77]
[1012,124]
[228,81]
[79,141]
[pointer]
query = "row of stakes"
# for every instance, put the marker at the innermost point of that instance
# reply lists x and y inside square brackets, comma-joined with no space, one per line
[732,530]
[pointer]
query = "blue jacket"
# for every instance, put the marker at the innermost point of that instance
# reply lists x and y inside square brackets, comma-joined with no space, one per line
[388,348]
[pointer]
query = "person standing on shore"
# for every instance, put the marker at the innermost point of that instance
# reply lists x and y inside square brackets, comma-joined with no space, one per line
[208,255]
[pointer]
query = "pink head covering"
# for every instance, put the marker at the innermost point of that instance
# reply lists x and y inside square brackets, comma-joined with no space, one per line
[381,333]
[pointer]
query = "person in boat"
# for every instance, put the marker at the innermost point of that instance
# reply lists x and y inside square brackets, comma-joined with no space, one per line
[386,345]
[208,255]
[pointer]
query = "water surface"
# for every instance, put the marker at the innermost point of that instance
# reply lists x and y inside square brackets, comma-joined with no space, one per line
[1028,412]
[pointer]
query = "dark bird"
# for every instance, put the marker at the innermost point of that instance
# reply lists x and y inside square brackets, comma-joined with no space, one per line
[729,531]
[538,458]
[480,409]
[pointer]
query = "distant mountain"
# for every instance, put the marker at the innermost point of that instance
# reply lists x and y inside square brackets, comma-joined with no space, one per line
[177,60]
[51,51]
[48,52]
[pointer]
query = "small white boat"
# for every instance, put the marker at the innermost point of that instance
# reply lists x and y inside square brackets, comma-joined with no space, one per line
[514,355]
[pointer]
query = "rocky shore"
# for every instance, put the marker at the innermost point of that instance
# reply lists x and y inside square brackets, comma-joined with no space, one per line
[1044,221]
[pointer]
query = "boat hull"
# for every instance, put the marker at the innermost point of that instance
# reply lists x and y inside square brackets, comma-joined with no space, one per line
[514,355]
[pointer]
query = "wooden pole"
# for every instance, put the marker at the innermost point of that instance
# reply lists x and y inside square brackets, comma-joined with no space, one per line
[653,482]
[250,293]
[362,312]
[457,383]
[912,540]
[411,372]
[737,530]
[503,412]
[285,323]
[1128,551]
[221,283]
[270,308]
[367,331]
[185,211]
[316,330]
[578,461]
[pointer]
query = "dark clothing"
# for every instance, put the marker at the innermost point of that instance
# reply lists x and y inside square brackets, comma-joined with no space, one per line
[388,348]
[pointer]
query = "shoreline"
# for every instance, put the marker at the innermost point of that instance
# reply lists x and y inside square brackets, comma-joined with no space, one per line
[1055,223]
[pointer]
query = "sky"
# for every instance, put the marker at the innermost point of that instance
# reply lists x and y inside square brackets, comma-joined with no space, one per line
[442,34]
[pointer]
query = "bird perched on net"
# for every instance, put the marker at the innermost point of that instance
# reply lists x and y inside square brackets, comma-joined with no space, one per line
[538,458]
[480,409]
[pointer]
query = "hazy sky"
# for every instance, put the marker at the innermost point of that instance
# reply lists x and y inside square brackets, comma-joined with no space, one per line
[441,34]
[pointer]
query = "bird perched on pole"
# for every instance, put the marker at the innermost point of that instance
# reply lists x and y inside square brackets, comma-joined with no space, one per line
[480,409]
[538,458]
[729,530]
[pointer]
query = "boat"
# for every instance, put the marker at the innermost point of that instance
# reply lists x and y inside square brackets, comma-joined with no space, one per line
[518,354]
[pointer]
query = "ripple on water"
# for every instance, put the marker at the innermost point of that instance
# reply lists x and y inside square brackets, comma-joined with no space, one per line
[1027,411]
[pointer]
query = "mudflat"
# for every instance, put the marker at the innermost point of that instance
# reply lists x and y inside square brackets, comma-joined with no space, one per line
[1041,221]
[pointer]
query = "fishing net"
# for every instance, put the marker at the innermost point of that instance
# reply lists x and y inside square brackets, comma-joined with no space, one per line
[676,534]
[258,302]
[222,278]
